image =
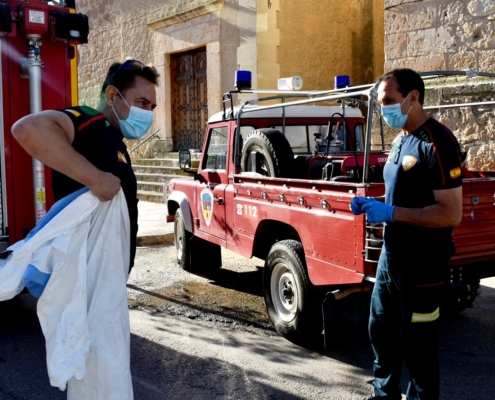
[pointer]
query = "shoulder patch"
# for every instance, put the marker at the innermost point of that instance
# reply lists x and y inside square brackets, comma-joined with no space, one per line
[408,162]
[74,112]
[121,157]
[455,173]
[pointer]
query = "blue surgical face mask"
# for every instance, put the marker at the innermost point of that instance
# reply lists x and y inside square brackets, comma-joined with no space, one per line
[393,115]
[137,123]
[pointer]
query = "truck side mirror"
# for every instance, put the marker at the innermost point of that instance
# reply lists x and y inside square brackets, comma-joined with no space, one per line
[185,160]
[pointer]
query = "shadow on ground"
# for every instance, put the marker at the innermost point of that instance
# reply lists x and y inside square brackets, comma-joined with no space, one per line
[467,357]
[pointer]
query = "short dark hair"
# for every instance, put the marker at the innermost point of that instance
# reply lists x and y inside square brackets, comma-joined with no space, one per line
[123,75]
[407,80]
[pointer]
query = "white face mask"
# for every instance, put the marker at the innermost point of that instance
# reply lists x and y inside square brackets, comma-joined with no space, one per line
[137,123]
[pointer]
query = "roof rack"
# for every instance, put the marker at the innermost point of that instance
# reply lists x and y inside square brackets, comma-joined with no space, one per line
[369,90]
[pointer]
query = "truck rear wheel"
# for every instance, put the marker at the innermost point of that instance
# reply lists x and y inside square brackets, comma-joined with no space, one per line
[194,254]
[290,298]
[267,152]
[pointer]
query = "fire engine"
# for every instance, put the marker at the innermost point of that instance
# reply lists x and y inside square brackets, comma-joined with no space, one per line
[39,72]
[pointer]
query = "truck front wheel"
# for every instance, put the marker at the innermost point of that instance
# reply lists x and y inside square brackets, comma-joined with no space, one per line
[290,298]
[182,241]
[193,253]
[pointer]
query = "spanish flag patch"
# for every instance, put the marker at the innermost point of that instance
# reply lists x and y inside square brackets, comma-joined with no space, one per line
[74,112]
[455,173]
[121,157]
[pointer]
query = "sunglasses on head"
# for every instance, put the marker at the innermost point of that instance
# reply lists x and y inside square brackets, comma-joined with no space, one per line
[127,65]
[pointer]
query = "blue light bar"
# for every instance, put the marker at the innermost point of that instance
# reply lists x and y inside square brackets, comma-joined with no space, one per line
[342,81]
[242,80]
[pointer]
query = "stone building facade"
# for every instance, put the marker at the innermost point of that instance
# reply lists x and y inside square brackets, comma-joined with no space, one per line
[272,38]
[313,39]
[429,35]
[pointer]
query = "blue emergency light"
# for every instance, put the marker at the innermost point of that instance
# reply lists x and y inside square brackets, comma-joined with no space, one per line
[342,81]
[242,80]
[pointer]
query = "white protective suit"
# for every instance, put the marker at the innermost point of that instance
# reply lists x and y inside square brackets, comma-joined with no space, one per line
[83,309]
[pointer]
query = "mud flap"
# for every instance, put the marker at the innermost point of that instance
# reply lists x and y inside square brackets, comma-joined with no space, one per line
[204,255]
[328,307]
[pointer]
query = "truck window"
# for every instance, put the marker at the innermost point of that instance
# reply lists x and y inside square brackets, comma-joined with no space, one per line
[301,137]
[359,135]
[297,137]
[216,153]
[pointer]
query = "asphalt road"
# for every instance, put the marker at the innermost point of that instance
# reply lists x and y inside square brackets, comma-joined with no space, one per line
[208,337]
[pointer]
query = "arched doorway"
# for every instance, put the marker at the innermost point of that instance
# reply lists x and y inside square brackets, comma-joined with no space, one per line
[189,98]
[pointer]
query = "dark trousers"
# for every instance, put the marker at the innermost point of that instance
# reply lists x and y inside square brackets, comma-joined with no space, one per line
[404,325]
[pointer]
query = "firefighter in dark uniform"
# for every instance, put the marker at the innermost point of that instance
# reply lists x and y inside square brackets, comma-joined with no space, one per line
[422,204]
[85,147]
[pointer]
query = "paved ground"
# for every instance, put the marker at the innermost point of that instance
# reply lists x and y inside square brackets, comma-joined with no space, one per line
[153,225]
[208,337]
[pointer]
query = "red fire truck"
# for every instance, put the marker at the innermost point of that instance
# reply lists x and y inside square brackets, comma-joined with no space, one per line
[275,182]
[39,71]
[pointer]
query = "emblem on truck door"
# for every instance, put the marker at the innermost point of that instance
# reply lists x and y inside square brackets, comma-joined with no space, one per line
[207,205]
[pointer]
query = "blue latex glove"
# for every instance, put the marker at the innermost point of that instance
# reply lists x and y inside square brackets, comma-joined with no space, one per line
[358,202]
[378,212]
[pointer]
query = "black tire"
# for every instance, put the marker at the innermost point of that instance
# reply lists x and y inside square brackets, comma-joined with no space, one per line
[273,154]
[194,254]
[291,300]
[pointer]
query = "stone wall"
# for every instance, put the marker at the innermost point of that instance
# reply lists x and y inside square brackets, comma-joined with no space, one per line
[118,29]
[321,39]
[441,35]
[121,29]
[474,127]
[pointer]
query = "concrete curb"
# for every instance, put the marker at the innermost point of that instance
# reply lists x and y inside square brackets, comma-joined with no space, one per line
[150,240]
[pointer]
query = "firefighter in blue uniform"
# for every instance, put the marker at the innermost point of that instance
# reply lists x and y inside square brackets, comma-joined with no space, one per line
[85,147]
[422,204]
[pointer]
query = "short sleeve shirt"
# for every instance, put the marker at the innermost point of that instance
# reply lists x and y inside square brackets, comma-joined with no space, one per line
[103,146]
[426,160]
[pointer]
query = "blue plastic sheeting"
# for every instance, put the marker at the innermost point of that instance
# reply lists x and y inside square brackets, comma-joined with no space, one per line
[54,210]
[35,280]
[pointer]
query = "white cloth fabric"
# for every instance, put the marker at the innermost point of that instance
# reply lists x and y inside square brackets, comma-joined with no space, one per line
[83,310]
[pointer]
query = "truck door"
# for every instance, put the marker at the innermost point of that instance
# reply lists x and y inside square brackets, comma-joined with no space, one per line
[211,192]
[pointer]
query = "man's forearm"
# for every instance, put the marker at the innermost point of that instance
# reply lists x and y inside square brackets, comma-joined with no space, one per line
[47,142]
[434,216]
[47,136]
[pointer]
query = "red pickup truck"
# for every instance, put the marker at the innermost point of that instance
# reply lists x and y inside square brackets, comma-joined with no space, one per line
[276,181]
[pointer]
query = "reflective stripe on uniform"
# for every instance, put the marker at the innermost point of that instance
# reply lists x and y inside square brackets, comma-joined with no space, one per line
[429,317]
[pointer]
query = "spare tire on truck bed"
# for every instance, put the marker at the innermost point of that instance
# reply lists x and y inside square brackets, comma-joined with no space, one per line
[267,152]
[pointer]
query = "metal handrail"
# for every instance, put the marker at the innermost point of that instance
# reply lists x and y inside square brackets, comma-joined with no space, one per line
[143,141]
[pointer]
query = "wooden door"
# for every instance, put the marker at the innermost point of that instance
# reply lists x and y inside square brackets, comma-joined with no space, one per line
[189,99]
